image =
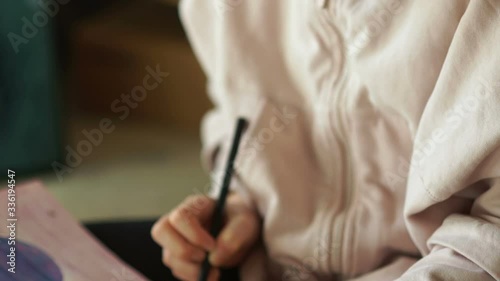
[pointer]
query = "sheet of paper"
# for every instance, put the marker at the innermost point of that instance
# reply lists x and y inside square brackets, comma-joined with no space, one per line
[51,244]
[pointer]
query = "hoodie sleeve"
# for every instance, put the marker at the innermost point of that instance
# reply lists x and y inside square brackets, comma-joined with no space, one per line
[456,159]
[205,29]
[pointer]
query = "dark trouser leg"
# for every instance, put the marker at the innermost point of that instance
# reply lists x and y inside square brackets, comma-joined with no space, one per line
[131,241]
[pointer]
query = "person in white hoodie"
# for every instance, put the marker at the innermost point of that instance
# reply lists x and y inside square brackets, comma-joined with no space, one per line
[372,151]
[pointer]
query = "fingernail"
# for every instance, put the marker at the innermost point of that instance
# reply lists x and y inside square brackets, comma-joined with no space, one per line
[213,258]
[229,243]
[226,238]
[217,255]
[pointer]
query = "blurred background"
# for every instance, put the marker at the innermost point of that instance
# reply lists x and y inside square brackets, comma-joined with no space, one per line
[71,71]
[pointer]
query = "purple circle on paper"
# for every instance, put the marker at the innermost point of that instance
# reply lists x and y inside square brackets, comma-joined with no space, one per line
[31,263]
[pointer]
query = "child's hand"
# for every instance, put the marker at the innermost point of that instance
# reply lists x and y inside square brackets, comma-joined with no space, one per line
[185,240]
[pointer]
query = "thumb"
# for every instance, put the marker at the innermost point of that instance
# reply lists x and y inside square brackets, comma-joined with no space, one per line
[234,241]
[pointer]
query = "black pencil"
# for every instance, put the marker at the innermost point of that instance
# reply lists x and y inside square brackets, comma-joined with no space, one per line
[217,216]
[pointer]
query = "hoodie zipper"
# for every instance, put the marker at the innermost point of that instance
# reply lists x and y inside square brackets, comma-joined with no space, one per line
[338,126]
[347,194]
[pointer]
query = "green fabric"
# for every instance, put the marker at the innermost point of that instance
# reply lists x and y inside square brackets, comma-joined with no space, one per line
[29,125]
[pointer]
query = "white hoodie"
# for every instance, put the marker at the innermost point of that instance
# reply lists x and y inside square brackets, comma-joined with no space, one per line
[373,146]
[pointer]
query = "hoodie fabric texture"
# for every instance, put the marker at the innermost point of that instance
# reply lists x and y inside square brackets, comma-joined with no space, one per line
[373,146]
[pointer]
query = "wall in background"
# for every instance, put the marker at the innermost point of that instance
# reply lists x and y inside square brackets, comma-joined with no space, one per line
[114,50]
